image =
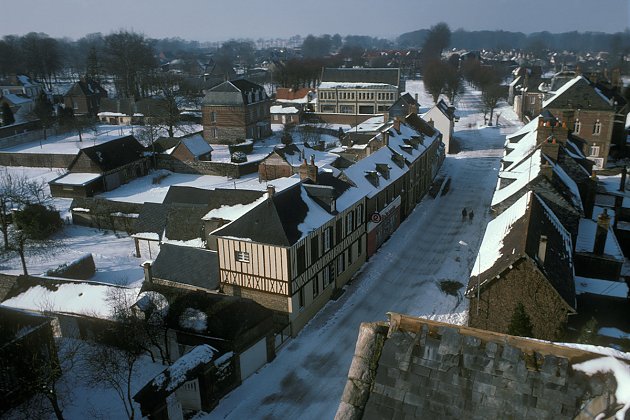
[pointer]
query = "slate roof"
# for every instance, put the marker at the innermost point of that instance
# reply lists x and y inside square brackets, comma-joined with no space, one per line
[87,87]
[183,221]
[187,265]
[234,93]
[273,222]
[152,218]
[514,234]
[366,75]
[212,198]
[113,154]
[579,93]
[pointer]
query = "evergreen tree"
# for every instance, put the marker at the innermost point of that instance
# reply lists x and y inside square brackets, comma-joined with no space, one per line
[588,333]
[7,114]
[520,324]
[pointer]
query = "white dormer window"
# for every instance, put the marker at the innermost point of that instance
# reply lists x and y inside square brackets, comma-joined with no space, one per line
[594,150]
[577,126]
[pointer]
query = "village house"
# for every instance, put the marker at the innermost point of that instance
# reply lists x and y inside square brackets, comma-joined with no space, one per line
[84,97]
[442,116]
[21,85]
[293,251]
[100,168]
[302,98]
[235,111]
[588,113]
[191,148]
[286,160]
[525,257]
[285,115]
[358,90]
[404,106]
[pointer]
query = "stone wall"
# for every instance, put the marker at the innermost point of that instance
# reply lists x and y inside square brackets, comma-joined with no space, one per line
[231,170]
[36,160]
[7,282]
[525,284]
[415,368]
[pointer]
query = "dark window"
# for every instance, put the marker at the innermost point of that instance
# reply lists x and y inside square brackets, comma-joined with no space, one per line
[327,239]
[359,243]
[301,297]
[315,281]
[339,231]
[314,249]
[301,260]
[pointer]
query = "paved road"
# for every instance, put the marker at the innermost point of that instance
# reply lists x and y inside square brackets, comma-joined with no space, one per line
[308,376]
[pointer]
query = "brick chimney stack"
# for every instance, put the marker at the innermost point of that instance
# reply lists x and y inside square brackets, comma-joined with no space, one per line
[550,148]
[603,223]
[148,272]
[397,124]
[546,169]
[309,170]
[271,190]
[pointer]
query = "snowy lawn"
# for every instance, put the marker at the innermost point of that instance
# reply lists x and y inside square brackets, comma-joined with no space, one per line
[415,272]
[112,253]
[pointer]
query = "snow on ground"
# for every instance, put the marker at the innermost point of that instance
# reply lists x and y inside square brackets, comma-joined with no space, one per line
[113,255]
[433,244]
[69,144]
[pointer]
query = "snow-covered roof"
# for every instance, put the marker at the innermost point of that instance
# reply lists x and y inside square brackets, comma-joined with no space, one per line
[111,114]
[316,216]
[529,127]
[586,240]
[568,85]
[176,374]
[522,148]
[491,248]
[406,143]
[76,178]
[354,85]
[79,298]
[529,169]
[16,99]
[358,171]
[197,145]
[279,109]
[233,212]
[372,124]
[601,287]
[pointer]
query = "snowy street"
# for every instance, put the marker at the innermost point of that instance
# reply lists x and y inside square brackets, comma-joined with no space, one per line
[307,378]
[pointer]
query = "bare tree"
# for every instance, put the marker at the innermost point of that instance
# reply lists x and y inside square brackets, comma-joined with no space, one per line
[121,344]
[490,98]
[434,77]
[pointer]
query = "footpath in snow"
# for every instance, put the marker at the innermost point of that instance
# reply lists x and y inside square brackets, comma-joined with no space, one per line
[432,245]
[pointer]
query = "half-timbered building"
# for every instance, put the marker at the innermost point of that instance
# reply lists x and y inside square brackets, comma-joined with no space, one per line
[295,250]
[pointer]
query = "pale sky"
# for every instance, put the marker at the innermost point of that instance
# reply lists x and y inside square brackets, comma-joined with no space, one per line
[211,20]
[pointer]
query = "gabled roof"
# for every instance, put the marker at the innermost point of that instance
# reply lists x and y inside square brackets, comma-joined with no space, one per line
[515,234]
[187,265]
[214,199]
[196,145]
[235,93]
[275,221]
[87,87]
[579,93]
[151,219]
[112,154]
[362,75]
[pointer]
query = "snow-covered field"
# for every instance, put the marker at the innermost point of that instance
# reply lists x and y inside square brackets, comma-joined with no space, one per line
[307,378]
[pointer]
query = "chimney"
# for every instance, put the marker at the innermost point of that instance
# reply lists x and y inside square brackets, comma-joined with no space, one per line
[271,190]
[308,171]
[385,116]
[622,184]
[431,122]
[148,272]
[603,223]
[416,97]
[397,124]
[542,249]
[589,197]
[385,137]
[546,169]
[550,148]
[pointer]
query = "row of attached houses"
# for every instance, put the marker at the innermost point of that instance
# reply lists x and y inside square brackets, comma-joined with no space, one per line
[298,248]
[548,234]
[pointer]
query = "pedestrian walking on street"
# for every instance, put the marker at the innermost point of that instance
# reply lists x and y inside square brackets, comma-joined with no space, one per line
[470,216]
[464,213]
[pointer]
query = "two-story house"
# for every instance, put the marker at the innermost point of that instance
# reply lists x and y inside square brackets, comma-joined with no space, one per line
[294,250]
[84,97]
[358,90]
[235,111]
[588,113]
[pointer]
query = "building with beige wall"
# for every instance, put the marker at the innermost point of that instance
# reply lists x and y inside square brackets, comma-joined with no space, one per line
[358,90]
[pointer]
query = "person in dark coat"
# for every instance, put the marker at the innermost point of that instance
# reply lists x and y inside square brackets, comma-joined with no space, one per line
[471,214]
[464,213]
